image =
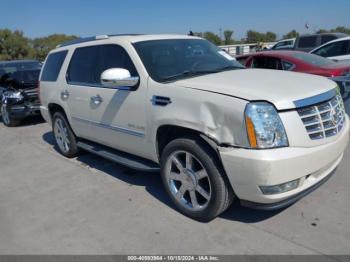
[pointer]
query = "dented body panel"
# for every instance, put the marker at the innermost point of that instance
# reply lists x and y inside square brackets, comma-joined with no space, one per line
[217,116]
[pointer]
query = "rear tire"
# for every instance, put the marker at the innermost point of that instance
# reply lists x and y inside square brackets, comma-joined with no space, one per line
[6,117]
[194,179]
[64,136]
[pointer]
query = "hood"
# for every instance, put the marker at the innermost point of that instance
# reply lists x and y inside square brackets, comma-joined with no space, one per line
[278,87]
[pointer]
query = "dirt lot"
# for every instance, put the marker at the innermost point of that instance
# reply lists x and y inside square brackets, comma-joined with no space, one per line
[52,205]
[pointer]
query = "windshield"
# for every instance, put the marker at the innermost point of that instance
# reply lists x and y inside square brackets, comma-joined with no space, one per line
[8,68]
[174,59]
[313,59]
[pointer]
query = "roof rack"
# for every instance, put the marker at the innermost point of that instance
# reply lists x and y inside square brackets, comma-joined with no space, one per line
[90,38]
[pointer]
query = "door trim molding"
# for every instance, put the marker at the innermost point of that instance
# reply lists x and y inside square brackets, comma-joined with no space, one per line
[111,127]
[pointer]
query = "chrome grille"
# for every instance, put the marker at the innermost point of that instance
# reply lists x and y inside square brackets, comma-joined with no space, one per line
[325,119]
[32,93]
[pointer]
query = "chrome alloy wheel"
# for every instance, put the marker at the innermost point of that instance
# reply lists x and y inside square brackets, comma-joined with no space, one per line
[188,180]
[5,115]
[61,135]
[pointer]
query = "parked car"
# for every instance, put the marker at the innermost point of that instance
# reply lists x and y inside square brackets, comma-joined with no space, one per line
[306,43]
[18,90]
[217,132]
[301,62]
[337,50]
[284,44]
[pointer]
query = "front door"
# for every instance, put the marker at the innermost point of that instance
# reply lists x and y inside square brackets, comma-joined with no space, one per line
[118,116]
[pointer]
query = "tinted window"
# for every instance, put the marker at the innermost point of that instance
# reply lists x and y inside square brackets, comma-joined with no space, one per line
[180,58]
[313,59]
[267,63]
[26,76]
[327,38]
[88,63]
[113,56]
[8,68]
[284,43]
[307,41]
[334,49]
[287,65]
[53,66]
[82,67]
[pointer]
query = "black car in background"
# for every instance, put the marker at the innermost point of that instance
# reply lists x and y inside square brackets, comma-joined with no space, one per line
[308,42]
[19,96]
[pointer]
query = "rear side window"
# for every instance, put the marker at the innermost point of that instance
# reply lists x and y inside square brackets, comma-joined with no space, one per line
[307,41]
[287,65]
[53,66]
[267,63]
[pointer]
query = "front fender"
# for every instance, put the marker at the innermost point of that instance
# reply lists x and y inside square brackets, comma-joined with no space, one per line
[217,116]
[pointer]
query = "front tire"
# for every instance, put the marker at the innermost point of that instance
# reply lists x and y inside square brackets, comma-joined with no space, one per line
[194,179]
[6,117]
[64,136]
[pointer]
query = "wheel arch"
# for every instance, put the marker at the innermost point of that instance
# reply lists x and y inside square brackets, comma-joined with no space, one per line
[168,132]
[53,108]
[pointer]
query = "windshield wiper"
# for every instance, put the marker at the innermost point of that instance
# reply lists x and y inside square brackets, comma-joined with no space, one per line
[172,77]
[199,72]
[189,73]
[230,67]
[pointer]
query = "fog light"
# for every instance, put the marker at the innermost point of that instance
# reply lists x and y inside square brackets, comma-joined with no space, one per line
[281,188]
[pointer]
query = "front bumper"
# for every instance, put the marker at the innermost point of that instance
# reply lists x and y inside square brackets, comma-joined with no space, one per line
[21,111]
[248,169]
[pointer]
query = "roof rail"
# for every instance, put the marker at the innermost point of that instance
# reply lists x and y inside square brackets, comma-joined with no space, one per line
[83,40]
[90,38]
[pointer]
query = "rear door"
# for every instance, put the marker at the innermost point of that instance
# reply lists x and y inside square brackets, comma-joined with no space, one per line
[76,93]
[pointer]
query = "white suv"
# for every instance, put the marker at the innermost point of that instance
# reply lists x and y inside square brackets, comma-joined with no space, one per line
[180,105]
[337,50]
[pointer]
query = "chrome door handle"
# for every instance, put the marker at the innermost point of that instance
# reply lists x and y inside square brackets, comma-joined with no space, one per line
[96,99]
[64,95]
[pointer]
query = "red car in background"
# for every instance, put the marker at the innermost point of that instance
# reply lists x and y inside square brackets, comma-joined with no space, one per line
[301,62]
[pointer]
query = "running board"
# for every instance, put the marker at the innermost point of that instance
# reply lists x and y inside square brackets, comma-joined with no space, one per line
[119,157]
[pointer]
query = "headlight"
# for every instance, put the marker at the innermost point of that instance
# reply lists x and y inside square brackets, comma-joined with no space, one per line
[264,126]
[13,95]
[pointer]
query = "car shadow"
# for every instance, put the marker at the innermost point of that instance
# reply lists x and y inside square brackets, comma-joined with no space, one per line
[29,121]
[152,183]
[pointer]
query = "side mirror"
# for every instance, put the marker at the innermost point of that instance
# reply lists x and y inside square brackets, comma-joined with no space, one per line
[118,78]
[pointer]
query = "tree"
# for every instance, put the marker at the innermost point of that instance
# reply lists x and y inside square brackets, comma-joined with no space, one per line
[13,45]
[228,37]
[254,37]
[270,37]
[338,29]
[43,45]
[341,29]
[210,36]
[291,34]
[321,31]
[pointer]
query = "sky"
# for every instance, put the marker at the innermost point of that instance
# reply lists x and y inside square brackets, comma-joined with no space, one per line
[38,18]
